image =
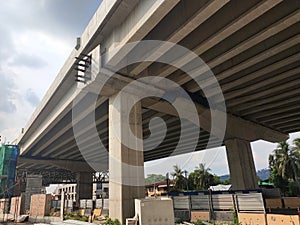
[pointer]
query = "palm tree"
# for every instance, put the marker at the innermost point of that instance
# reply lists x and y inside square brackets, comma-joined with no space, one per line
[287,159]
[201,178]
[284,164]
[178,177]
[295,155]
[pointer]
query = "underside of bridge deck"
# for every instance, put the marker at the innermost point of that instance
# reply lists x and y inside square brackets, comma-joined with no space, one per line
[252,48]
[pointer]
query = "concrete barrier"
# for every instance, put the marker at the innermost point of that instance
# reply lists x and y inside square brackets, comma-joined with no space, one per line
[200,215]
[17,205]
[276,219]
[154,211]
[291,202]
[40,205]
[273,203]
[222,216]
[252,218]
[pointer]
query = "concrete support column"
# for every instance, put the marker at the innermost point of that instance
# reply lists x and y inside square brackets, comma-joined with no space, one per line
[241,164]
[84,187]
[126,158]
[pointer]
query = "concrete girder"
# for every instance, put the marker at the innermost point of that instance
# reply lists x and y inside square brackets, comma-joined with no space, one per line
[231,28]
[144,17]
[68,127]
[265,107]
[245,45]
[235,125]
[248,63]
[184,30]
[264,83]
[266,100]
[52,118]
[258,95]
[75,166]
[281,116]
[271,112]
[289,119]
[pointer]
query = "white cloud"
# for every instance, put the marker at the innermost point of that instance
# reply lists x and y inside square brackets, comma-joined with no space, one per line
[36,39]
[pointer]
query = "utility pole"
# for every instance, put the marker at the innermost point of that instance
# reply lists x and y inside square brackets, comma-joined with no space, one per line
[187,184]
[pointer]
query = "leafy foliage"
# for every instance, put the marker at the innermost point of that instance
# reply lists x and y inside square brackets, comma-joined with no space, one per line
[284,164]
[198,222]
[179,179]
[152,178]
[109,221]
[201,178]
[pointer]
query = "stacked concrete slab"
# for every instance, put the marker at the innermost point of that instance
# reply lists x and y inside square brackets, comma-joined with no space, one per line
[17,205]
[40,205]
[200,207]
[33,186]
[182,208]
[4,204]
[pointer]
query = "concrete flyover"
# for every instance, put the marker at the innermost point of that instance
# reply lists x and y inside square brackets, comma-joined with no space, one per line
[252,47]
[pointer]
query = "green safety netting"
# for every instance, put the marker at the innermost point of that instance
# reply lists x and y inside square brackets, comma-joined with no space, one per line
[8,163]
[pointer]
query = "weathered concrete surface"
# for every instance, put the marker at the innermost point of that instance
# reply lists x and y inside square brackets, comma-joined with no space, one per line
[126,165]
[241,164]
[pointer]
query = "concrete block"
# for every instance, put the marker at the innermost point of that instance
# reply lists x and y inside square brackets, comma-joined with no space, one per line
[97,212]
[82,203]
[200,215]
[69,204]
[4,203]
[40,205]
[200,202]
[252,202]
[99,203]
[291,202]
[182,214]
[222,202]
[89,203]
[252,218]
[155,211]
[17,205]
[33,181]
[271,193]
[222,216]
[273,203]
[276,219]
[181,202]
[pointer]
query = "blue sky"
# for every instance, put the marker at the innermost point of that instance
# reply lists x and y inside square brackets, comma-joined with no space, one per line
[36,39]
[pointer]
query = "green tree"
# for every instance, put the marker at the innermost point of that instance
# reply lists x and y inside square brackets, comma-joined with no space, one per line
[284,165]
[179,179]
[296,162]
[201,178]
[152,178]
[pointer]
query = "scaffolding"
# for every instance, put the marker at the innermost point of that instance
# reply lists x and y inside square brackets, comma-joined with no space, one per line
[8,162]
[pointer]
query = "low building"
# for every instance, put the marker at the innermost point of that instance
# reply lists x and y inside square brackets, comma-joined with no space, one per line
[158,188]
[99,190]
